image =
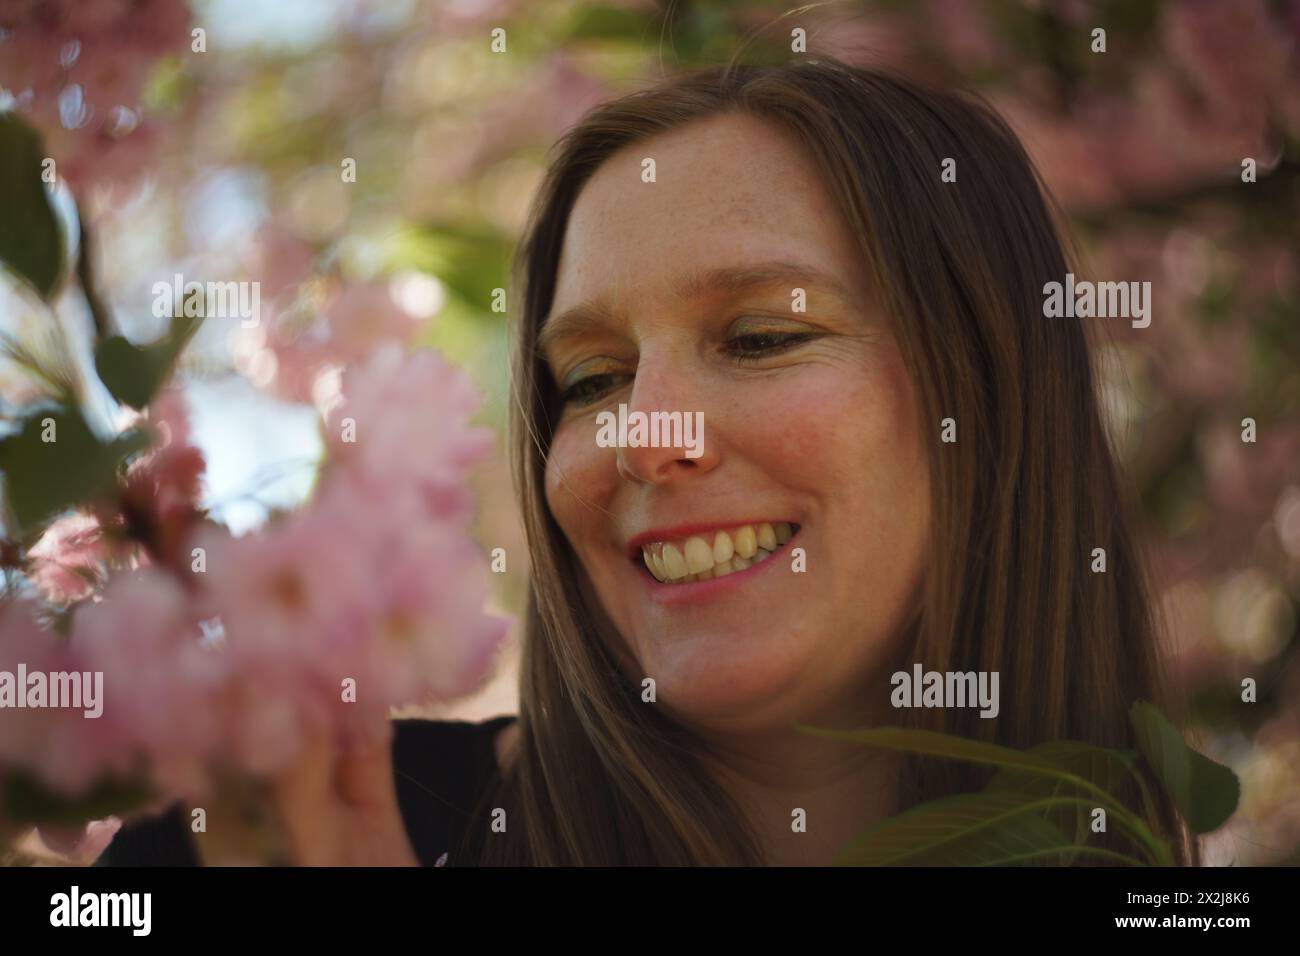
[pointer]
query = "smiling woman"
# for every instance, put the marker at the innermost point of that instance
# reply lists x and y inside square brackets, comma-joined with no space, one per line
[797,271]
[799,276]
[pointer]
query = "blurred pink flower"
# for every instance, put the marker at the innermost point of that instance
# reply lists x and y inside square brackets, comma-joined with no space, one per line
[375,581]
[375,578]
[162,686]
[275,592]
[61,746]
[1243,477]
[965,32]
[361,317]
[157,690]
[69,558]
[425,634]
[1234,51]
[402,436]
[79,846]
[355,319]
[279,260]
[25,642]
[78,70]
[403,424]
[157,502]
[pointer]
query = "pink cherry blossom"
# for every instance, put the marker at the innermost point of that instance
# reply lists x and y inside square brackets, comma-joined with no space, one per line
[70,556]
[354,320]
[274,593]
[389,596]
[162,686]
[26,642]
[160,492]
[408,427]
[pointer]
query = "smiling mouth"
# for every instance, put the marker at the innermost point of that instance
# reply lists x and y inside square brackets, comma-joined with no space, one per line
[701,557]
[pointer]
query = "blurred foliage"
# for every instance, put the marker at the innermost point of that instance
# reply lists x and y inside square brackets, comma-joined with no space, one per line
[44,476]
[29,243]
[1042,804]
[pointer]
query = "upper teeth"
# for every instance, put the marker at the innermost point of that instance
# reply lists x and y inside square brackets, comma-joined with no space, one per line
[715,554]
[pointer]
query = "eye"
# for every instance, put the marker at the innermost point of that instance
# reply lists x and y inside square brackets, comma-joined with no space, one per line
[588,390]
[753,345]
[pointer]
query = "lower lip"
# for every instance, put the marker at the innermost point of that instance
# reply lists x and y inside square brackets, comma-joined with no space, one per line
[694,592]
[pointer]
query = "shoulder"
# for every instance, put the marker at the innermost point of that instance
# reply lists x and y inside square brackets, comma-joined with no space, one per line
[423,746]
[408,731]
[442,770]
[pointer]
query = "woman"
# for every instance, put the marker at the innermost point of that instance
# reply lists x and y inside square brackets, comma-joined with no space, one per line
[901,463]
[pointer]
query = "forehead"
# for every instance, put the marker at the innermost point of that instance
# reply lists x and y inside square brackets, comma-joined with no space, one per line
[729,191]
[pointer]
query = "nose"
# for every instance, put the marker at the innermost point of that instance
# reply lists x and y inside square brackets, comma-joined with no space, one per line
[667,434]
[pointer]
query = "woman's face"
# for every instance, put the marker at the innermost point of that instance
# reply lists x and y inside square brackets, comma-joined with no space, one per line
[679,295]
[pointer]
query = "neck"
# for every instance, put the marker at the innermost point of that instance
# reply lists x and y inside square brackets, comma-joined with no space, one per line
[842,788]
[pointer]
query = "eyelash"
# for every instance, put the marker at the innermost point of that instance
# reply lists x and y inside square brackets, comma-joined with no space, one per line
[572,393]
[776,342]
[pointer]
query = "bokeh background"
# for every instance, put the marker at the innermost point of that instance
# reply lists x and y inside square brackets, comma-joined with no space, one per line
[226,164]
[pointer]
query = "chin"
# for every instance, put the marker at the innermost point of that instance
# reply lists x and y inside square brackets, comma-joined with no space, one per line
[736,681]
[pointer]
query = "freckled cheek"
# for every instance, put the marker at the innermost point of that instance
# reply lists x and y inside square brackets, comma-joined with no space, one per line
[773,423]
[847,438]
[878,468]
[826,424]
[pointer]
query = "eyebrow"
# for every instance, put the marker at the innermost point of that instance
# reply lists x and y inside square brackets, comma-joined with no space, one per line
[578,320]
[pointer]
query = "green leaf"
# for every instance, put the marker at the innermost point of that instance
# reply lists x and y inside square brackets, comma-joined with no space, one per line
[135,373]
[1205,792]
[55,461]
[470,262]
[934,744]
[1106,770]
[1099,765]
[30,241]
[974,829]
[132,374]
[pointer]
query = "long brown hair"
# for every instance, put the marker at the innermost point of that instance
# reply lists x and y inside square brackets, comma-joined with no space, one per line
[1020,500]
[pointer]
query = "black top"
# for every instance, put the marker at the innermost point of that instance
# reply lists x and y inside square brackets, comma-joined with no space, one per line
[442,769]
